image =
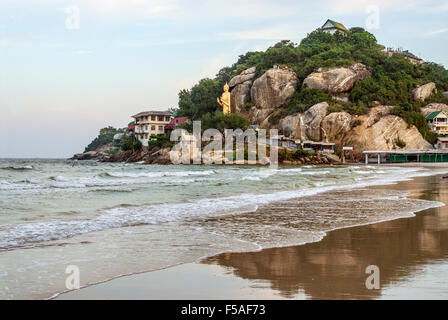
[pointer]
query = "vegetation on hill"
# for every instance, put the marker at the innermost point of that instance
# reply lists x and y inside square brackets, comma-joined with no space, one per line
[391,83]
[130,143]
[105,136]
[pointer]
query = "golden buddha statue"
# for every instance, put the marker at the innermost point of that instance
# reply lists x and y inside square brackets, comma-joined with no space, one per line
[224,101]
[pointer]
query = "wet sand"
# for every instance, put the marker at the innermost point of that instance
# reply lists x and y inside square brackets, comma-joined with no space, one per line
[411,254]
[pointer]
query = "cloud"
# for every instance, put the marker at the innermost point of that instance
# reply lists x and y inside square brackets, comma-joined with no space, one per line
[435,32]
[119,9]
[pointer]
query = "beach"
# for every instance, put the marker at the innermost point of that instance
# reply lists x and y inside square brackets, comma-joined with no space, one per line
[411,253]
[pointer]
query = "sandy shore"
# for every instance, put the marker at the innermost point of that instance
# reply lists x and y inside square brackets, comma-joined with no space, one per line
[411,254]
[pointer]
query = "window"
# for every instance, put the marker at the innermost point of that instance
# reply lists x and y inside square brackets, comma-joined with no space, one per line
[160,118]
[153,128]
[160,128]
[146,127]
[153,118]
[167,118]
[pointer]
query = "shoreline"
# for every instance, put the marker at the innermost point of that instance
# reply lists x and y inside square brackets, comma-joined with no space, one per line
[102,290]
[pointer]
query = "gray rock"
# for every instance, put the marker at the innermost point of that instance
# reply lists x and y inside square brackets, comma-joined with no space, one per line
[433,107]
[312,119]
[273,88]
[423,92]
[335,125]
[244,76]
[260,116]
[383,133]
[90,155]
[289,126]
[240,89]
[240,96]
[337,80]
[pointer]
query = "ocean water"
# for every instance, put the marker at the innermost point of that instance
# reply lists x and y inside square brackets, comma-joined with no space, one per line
[111,220]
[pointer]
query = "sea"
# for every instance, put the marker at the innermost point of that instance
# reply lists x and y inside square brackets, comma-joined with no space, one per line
[109,220]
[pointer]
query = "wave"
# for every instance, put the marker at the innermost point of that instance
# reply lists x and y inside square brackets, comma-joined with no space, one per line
[157,174]
[162,213]
[17,168]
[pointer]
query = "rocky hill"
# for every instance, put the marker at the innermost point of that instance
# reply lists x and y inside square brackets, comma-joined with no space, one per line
[335,88]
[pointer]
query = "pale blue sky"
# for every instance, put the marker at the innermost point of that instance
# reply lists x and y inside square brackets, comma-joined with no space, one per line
[59,85]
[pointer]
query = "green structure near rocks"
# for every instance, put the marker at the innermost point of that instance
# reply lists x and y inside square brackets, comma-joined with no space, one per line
[405,156]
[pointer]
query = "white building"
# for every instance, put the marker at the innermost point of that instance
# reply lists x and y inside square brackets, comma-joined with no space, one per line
[438,122]
[332,27]
[442,143]
[150,123]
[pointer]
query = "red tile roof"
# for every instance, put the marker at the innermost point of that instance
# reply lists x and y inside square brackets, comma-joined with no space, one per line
[176,121]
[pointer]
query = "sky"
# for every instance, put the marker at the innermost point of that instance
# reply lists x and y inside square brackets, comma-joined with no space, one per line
[69,68]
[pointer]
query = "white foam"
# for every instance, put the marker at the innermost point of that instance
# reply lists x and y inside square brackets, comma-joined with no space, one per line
[160,174]
[161,213]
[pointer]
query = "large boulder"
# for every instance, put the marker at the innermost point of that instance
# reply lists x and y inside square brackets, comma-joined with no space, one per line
[273,88]
[90,155]
[423,92]
[260,116]
[290,126]
[335,126]
[244,76]
[240,89]
[312,119]
[240,96]
[375,114]
[337,80]
[432,107]
[383,134]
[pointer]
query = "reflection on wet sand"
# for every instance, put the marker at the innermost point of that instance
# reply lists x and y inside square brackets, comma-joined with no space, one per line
[334,268]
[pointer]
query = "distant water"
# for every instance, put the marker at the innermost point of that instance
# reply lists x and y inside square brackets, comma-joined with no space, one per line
[117,219]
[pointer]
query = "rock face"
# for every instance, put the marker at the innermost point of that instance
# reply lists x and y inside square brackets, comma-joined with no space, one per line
[378,131]
[240,89]
[290,126]
[90,155]
[335,125]
[423,92]
[244,76]
[312,120]
[273,88]
[432,107]
[337,80]
[260,116]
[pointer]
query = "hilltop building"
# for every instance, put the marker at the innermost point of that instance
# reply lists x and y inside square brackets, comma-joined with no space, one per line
[149,123]
[408,55]
[332,27]
[438,122]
